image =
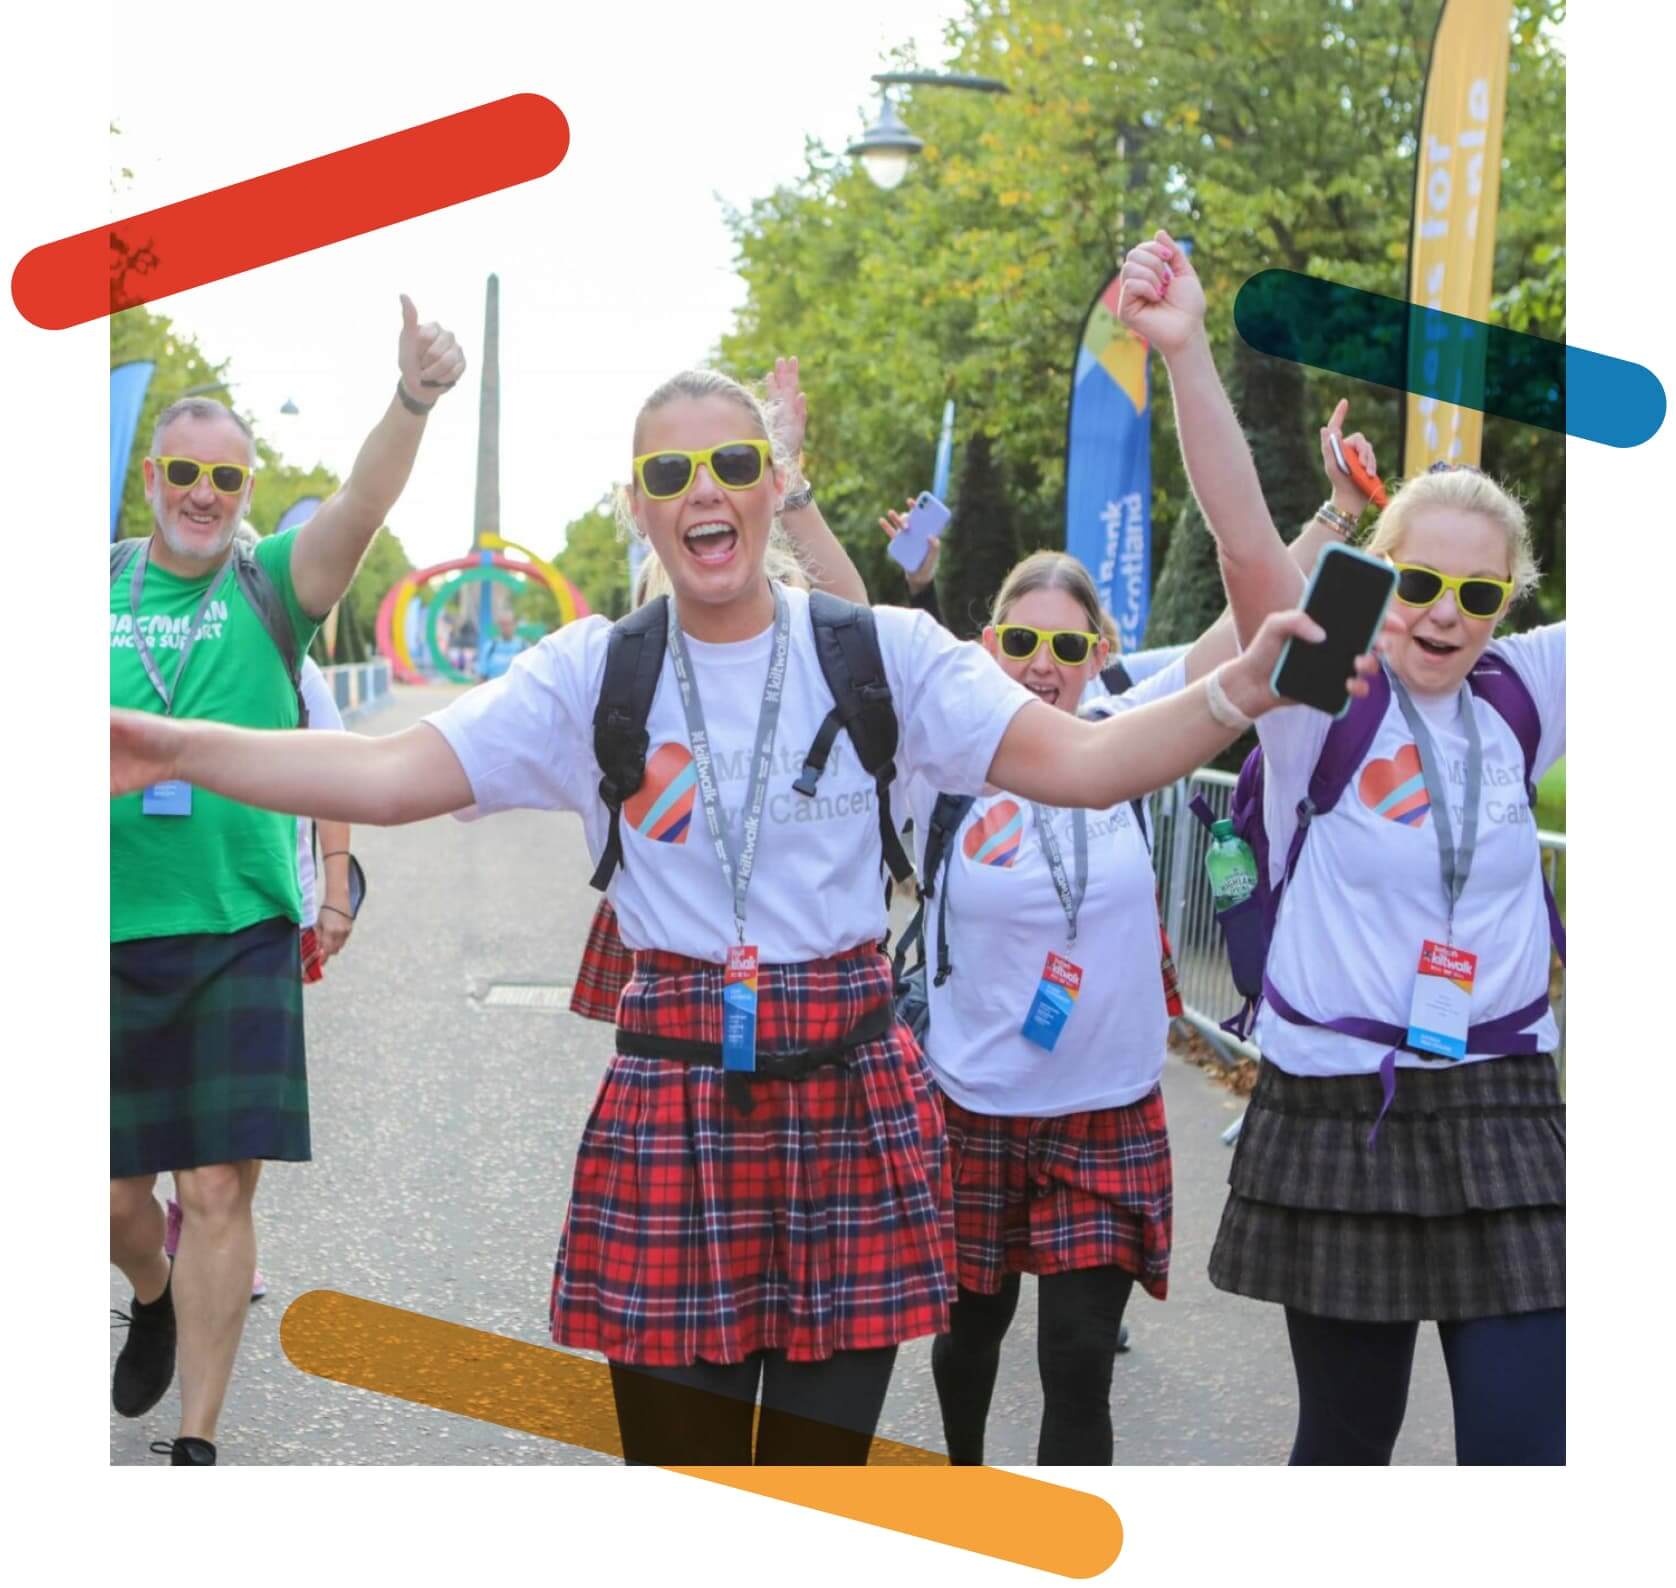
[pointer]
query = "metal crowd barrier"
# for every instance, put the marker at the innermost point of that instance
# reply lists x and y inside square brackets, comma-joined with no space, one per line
[1208,994]
[359,686]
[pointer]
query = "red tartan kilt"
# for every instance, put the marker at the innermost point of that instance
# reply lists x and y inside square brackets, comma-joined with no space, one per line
[607,964]
[819,1222]
[1048,1196]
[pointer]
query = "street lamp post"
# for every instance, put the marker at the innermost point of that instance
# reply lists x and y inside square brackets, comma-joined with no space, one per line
[886,148]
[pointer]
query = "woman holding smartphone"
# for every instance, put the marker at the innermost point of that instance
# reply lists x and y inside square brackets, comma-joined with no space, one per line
[1377,1185]
[1058,1145]
[712,1250]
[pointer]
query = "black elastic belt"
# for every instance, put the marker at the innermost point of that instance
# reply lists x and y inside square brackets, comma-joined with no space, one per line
[771,1066]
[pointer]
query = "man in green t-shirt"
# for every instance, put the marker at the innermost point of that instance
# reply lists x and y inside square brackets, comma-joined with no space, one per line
[207,1062]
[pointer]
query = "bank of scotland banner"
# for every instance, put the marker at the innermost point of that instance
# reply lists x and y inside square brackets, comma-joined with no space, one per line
[1108,465]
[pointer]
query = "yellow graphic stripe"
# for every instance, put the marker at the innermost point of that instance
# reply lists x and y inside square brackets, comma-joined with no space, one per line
[539,1390]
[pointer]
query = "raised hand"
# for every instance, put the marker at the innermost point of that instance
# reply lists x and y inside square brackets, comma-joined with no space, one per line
[893,523]
[144,750]
[1348,496]
[790,406]
[1161,298]
[430,358]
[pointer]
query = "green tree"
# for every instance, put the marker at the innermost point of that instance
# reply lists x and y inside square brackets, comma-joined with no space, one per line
[981,543]
[594,558]
[1274,133]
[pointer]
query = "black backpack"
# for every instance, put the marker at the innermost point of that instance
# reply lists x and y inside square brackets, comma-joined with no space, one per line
[263,597]
[847,644]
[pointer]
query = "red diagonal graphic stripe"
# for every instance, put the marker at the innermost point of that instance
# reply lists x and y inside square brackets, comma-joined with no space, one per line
[340,195]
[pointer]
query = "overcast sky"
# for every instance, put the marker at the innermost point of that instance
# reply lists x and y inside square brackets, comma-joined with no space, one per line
[615,270]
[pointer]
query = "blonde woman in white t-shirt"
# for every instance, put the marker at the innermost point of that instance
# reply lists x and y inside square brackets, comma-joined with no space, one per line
[1060,1156]
[787,1243]
[1376,1184]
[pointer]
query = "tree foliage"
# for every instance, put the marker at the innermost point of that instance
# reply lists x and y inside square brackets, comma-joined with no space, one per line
[594,559]
[1274,133]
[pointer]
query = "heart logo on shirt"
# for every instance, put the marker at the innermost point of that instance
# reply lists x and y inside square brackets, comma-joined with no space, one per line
[994,839]
[662,807]
[1396,789]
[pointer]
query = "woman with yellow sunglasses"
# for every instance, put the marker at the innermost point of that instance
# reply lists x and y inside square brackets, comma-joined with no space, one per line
[1060,1155]
[712,1252]
[1379,1183]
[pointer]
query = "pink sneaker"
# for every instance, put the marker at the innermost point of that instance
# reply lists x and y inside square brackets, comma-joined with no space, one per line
[171,1242]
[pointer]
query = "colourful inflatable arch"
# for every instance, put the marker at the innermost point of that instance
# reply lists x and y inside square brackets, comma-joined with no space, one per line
[391,628]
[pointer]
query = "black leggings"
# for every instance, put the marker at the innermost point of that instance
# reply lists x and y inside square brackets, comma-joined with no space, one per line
[814,1414]
[1078,1316]
[1506,1378]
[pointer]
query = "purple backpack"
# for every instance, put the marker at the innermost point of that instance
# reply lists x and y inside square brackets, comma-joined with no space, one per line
[1248,927]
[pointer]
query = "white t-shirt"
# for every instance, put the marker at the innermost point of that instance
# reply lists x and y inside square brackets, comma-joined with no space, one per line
[1004,916]
[1369,890]
[526,739]
[322,713]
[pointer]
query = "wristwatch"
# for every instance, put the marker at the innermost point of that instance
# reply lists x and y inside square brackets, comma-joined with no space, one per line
[798,499]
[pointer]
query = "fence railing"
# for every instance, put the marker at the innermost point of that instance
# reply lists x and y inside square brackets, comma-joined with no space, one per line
[1207,985]
[358,686]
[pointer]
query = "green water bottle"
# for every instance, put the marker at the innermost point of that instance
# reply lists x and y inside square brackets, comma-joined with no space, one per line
[1231,866]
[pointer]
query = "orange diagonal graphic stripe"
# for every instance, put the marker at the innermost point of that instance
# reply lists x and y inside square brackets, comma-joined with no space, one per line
[539,1390]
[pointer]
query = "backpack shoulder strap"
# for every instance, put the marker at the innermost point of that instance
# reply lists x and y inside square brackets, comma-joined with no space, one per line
[1346,746]
[1495,682]
[1504,691]
[946,816]
[847,645]
[123,553]
[259,590]
[633,663]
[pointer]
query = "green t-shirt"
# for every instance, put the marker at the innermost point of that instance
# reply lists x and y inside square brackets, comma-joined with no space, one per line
[226,866]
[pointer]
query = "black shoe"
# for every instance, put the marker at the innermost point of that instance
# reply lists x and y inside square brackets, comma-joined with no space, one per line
[146,1367]
[1122,1339]
[185,1452]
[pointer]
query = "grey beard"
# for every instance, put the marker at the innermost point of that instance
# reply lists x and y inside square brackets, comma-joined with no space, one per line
[192,553]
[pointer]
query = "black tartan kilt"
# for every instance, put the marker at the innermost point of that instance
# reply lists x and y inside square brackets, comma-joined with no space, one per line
[1457,1210]
[207,1058]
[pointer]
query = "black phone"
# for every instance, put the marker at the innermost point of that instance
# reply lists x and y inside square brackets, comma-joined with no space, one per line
[1348,594]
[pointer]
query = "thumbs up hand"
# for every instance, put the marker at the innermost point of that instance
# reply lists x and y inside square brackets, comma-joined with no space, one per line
[430,359]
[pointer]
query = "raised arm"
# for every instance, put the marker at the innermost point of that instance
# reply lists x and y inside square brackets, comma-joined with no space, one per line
[341,777]
[1057,759]
[1219,643]
[829,565]
[1162,300]
[330,545]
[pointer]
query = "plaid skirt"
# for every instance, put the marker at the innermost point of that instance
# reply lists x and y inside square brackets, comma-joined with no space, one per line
[607,964]
[1457,1210]
[819,1222]
[1048,1196]
[207,1060]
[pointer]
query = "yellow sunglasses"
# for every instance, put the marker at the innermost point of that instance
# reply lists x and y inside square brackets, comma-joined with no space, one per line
[1071,647]
[1476,596]
[182,474]
[737,465]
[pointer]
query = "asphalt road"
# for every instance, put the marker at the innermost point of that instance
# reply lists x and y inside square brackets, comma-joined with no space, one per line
[443,1134]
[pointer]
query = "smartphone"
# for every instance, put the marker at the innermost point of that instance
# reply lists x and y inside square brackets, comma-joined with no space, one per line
[1348,594]
[1370,485]
[925,519]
